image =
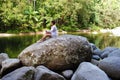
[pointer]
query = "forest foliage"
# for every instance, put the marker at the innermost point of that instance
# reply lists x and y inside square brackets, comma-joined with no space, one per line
[70,15]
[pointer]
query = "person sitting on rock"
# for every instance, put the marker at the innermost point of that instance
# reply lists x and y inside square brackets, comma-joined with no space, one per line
[51,33]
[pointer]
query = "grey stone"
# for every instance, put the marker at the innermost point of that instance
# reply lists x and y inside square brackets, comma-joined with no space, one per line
[107,51]
[95,62]
[88,71]
[61,53]
[23,73]
[111,66]
[97,52]
[43,73]
[9,65]
[96,57]
[115,53]
[3,56]
[67,73]
[93,46]
[104,55]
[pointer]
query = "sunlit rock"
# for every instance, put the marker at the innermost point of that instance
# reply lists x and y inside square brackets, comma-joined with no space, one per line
[63,52]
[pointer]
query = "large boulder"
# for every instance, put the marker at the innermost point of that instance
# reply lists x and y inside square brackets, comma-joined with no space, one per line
[111,66]
[43,73]
[63,52]
[88,71]
[24,73]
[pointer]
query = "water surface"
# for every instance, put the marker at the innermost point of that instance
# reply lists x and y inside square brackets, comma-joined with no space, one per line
[15,44]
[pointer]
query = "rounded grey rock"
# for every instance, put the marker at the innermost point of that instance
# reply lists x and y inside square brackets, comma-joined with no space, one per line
[111,66]
[9,65]
[93,46]
[115,53]
[95,62]
[107,51]
[96,57]
[23,73]
[97,52]
[88,71]
[3,56]
[43,73]
[67,73]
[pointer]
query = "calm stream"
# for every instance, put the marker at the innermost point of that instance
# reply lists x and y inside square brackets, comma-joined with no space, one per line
[15,44]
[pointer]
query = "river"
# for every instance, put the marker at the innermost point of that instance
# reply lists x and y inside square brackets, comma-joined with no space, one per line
[15,44]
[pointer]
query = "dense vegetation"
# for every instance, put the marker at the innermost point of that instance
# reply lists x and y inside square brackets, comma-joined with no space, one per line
[70,15]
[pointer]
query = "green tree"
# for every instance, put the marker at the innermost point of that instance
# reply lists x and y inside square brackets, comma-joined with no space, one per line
[25,15]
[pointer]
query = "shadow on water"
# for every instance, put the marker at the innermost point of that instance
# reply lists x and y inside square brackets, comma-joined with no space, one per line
[14,45]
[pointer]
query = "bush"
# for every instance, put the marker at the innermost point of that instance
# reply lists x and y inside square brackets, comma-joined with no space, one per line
[69,29]
[94,27]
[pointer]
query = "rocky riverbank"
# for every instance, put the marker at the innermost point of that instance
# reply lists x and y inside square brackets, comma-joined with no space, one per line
[66,57]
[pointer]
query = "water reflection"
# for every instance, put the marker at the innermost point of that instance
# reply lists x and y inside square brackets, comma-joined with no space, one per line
[14,45]
[103,40]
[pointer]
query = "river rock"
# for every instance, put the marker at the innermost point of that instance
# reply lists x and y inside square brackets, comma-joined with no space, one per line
[43,73]
[95,62]
[3,56]
[93,46]
[88,71]
[96,57]
[111,66]
[9,65]
[67,73]
[107,51]
[115,53]
[63,52]
[97,52]
[23,73]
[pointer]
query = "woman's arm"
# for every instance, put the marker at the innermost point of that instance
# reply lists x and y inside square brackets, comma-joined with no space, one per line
[48,32]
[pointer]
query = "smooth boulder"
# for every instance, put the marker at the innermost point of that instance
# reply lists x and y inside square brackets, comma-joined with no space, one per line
[93,46]
[97,52]
[43,73]
[9,65]
[107,51]
[95,62]
[115,53]
[67,73]
[3,56]
[88,71]
[63,52]
[111,66]
[23,73]
[96,57]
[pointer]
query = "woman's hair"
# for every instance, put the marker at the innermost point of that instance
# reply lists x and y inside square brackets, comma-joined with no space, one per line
[53,22]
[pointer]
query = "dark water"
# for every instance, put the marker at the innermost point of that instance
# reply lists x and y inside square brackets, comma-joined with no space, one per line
[14,45]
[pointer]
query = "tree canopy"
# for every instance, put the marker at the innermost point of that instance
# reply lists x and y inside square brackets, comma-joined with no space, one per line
[70,15]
